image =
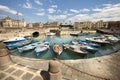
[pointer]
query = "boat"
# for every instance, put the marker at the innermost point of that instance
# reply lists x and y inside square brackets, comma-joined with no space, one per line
[28,47]
[100,40]
[74,34]
[75,48]
[41,48]
[50,34]
[83,33]
[111,38]
[89,48]
[75,41]
[89,43]
[14,40]
[18,44]
[118,36]
[57,49]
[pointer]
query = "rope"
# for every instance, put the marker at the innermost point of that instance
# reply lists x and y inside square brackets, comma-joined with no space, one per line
[82,71]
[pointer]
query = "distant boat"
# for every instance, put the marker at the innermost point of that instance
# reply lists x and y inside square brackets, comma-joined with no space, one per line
[75,48]
[57,49]
[74,34]
[50,34]
[18,44]
[41,48]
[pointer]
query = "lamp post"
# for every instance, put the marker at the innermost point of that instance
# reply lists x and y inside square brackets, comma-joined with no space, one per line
[18,17]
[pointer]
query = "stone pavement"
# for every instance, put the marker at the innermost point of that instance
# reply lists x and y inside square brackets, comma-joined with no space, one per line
[100,68]
[19,72]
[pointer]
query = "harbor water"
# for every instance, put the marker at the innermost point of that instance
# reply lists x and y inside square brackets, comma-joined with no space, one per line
[66,54]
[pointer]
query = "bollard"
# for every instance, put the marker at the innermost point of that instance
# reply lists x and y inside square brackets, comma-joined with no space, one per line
[54,70]
[4,55]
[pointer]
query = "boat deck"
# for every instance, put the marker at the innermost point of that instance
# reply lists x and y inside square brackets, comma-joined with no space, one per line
[74,48]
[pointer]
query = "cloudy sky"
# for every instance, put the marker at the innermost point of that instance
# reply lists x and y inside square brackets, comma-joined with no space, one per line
[61,10]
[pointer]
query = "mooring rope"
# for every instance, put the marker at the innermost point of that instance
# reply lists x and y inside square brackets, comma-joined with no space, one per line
[82,71]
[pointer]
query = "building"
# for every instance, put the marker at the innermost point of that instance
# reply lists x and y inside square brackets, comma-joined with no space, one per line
[114,25]
[91,25]
[8,22]
[35,25]
[83,25]
[51,24]
[100,24]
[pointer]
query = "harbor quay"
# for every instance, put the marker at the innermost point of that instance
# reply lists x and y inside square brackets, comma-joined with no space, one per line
[99,68]
[24,68]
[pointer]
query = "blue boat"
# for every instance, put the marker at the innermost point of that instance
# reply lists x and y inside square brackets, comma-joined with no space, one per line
[28,47]
[89,43]
[89,48]
[18,44]
[41,48]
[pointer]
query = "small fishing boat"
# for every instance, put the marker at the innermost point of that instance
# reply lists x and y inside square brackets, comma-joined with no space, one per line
[18,44]
[28,47]
[111,38]
[14,40]
[100,40]
[75,42]
[41,48]
[75,48]
[57,49]
[85,42]
[74,34]
[89,48]
[50,34]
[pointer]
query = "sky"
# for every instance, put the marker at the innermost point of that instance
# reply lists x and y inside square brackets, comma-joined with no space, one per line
[65,11]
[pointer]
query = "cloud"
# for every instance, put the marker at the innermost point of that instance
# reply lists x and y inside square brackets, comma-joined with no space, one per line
[108,12]
[7,9]
[27,5]
[74,10]
[51,10]
[38,2]
[54,6]
[57,17]
[40,14]
[84,10]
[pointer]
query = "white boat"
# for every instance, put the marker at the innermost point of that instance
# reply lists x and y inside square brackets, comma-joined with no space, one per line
[28,47]
[41,48]
[14,40]
[100,40]
[57,49]
[111,38]
[75,48]
[50,34]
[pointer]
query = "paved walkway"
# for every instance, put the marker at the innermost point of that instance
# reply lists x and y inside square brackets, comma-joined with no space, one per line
[101,68]
[19,72]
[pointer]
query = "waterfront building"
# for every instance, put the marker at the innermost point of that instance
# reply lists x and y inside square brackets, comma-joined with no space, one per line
[83,25]
[100,24]
[51,24]
[35,25]
[8,22]
[114,25]
[91,25]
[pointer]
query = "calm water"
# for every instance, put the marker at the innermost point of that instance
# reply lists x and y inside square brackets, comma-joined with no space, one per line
[66,54]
